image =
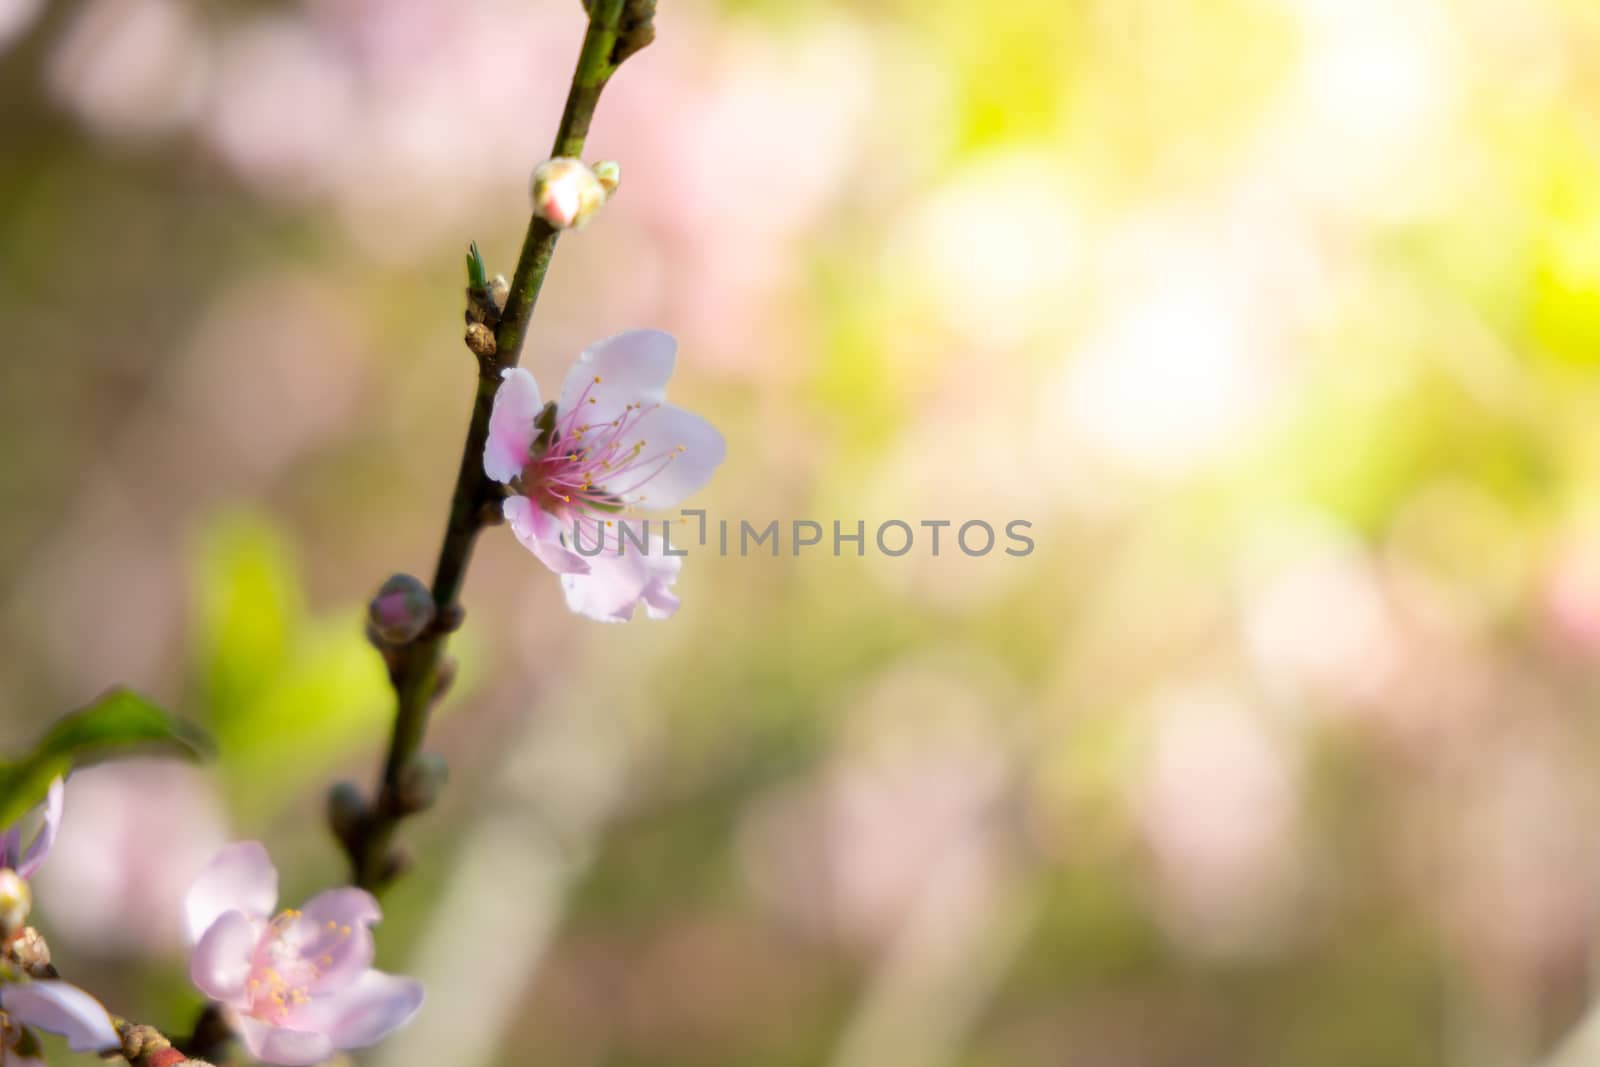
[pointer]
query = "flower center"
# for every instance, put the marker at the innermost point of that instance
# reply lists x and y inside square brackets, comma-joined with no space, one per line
[582,468]
[290,959]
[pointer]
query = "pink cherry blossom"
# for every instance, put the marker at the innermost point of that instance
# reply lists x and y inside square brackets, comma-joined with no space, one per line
[567,193]
[56,1007]
[140,828]
[300,984]
[26,859]
[611,442]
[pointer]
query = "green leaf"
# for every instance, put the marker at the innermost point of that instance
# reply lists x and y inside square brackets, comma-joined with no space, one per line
[119,723]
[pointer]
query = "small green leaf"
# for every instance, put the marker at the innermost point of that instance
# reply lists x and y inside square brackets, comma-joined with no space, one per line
[119,723]
[477,273]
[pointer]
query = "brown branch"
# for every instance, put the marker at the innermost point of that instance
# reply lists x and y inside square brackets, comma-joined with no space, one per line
[143,1046]
[419,668]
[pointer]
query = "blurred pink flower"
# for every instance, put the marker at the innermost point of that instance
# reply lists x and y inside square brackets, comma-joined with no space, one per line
[283,101]
[53,1006]
[105,892]
[917,801]
[1316,615]
[571,465]
[1571,597]
[763,132]
[1218,806]
[58,1008]
[16,16]
[300,983]
[133,68]
[25,860]
[1508,864]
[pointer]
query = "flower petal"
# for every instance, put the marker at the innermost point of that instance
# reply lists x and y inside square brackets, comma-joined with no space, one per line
[362,1013]
[633,367]
[334,929]
[221,963]
[240,878]
[660,602]
[540,533]
[511,429]
[62,1008]
[616,583]
[665,430]
[279,1044]
[39,847]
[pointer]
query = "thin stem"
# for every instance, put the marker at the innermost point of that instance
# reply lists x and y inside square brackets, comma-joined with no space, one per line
[26,953]
[145,1046]
[617,28]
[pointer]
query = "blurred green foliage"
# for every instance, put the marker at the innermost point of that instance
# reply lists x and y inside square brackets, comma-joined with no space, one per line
[287,694]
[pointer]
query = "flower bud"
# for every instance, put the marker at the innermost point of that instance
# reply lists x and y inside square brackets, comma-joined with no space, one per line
[397,861]
[609,175]
[443,678]
[480,339]
[401,610]
[421,780]
[143,1044]
[499,291]
[566,193]
[16,900]
[347,811]
[31,952]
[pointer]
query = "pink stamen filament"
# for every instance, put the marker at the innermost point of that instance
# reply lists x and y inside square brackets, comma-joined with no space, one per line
[583,460]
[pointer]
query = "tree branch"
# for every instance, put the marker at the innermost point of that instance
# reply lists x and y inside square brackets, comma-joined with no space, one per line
[142,1046]
[145,1046]
[418,668]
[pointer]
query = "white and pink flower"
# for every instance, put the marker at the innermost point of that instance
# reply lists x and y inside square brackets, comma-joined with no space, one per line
[300,984]
[53,1006]
[57,1008]
[610,444]
[27,858]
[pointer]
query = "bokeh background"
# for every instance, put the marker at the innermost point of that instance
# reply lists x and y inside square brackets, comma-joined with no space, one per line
[1278,319]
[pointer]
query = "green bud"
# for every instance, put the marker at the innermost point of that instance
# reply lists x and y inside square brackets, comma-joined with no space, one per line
[477,274]
[347,810]
[421,781]
[397,861]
